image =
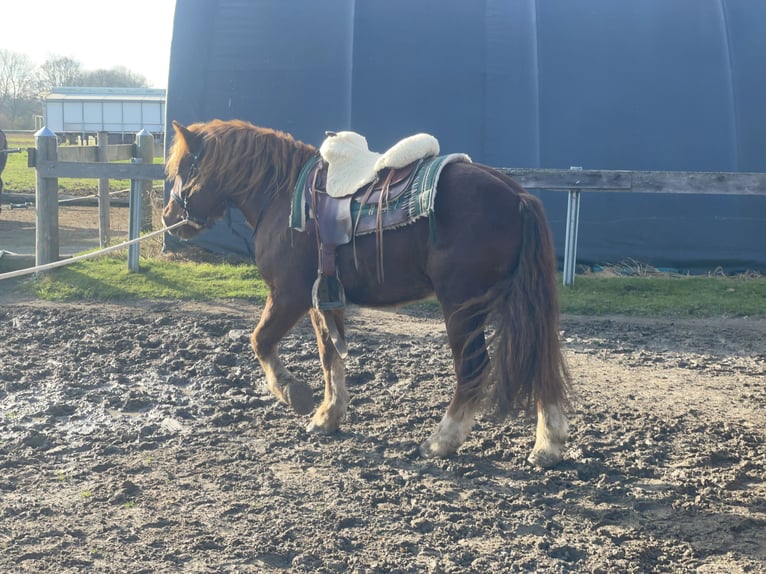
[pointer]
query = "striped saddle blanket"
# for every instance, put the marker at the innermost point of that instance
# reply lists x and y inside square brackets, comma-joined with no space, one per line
[397,197]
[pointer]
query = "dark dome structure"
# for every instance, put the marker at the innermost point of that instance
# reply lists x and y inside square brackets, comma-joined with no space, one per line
[674,85]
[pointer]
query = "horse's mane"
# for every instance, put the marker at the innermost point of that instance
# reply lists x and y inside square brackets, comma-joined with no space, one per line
[243,157]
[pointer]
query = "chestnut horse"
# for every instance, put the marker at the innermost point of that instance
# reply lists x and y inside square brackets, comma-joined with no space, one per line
[486,253]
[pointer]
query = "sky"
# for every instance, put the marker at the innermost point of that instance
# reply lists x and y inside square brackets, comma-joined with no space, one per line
[100,34]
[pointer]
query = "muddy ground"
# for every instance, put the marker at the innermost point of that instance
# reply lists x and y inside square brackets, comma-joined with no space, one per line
[78,227]
[140,438]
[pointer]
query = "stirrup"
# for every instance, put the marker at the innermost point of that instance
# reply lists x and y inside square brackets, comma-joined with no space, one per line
[327,293]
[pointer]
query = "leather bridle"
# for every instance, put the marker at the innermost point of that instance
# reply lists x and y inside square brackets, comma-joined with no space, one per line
[180,193]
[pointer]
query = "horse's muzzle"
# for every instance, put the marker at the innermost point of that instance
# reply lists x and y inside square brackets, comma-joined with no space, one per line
[173,214]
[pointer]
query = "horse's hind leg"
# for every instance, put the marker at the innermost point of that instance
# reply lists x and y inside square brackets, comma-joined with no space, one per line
[277,319]
[333,408]
[552,434]
[471,359]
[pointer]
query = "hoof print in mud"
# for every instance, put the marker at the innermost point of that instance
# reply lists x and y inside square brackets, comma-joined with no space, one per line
[670,486]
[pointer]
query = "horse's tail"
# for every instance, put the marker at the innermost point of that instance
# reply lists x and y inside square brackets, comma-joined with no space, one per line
[528,364]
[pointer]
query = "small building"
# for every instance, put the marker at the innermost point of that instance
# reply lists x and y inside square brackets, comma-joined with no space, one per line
[73,113]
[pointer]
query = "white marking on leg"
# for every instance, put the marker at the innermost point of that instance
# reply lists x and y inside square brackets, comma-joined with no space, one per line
[333,409]
[272,368]
[450,434]
[338,399]
[552,433]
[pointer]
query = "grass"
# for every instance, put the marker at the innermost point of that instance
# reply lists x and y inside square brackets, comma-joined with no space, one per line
[107,279]
[18,178]
[654,296]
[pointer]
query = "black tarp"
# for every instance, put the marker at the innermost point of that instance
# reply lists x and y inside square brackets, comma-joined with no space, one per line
[650,85]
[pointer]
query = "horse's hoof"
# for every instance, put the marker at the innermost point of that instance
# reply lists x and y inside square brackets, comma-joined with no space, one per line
[448,436]
[544,459]
[315,428]
[432,449]
[300,397]
[325,421]
[425,450]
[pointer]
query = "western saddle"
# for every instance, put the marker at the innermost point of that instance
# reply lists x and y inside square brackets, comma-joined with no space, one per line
[348,172]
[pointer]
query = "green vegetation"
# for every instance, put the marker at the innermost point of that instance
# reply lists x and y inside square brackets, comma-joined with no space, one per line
[23,84]
[18,178]
[107,278]
[663,296]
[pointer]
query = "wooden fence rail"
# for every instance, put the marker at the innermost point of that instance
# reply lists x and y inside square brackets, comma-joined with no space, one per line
[694,182]
[575,180]
[92,162]
[52,162]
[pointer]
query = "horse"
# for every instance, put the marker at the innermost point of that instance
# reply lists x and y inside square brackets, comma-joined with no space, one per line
[486,253]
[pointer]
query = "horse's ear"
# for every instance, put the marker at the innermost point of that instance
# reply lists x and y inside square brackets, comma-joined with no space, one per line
[193,141]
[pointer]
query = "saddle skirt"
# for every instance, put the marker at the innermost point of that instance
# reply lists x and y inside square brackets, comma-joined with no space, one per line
[399,197]
[351,165]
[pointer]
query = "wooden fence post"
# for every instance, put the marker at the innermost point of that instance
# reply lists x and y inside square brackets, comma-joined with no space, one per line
[47,201]
[103,192]
[145,151]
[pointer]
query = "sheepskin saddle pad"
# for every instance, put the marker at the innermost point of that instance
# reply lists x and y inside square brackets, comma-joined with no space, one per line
[351,165]
[396,196]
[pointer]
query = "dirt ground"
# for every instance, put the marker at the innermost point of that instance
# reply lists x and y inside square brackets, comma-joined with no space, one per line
[78,228]
[140,438]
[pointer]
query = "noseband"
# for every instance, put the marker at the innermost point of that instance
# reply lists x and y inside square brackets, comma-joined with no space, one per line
[182,197]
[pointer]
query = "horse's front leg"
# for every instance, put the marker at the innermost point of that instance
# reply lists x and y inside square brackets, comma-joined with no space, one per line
[279,316]
[333,408]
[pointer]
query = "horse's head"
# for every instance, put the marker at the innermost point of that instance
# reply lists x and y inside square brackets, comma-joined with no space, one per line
[190,199]
[222,162]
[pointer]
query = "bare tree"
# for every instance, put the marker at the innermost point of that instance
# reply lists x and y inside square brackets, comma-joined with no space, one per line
[117,77]
[23,85]
[58,71]
[17,82]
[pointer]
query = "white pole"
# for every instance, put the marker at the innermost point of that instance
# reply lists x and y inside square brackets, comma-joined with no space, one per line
[134,221]
[570,241]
